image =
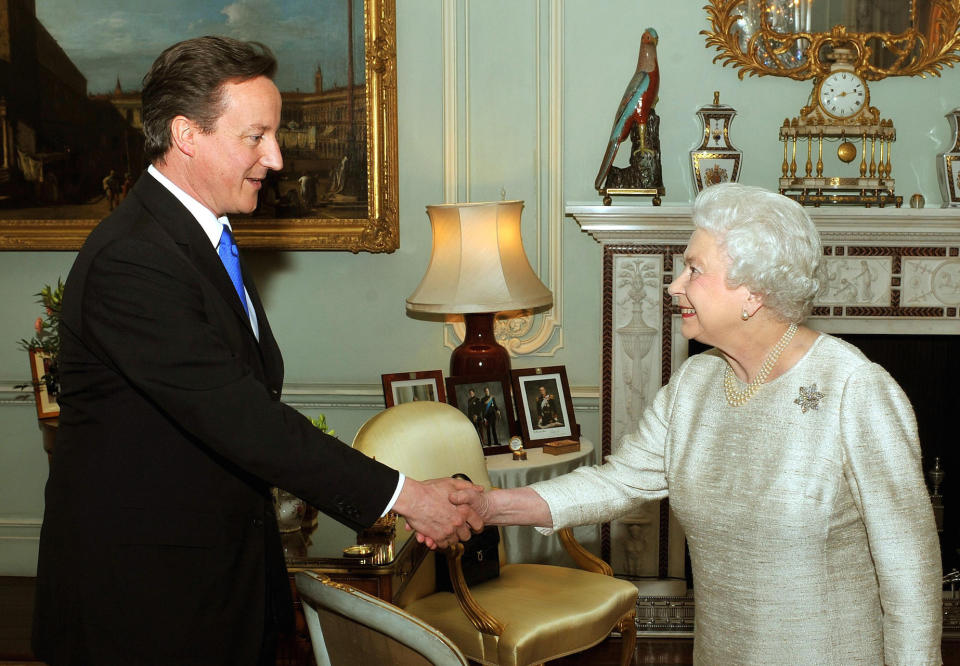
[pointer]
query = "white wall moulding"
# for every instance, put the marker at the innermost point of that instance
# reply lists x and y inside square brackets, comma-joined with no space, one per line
[19,546]
[469,172]
[889,270]
[367,397]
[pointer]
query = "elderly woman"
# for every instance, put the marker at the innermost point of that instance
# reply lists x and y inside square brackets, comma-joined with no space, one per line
[791,461]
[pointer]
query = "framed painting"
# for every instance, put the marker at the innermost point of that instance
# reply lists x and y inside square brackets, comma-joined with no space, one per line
[544,405]
[487,403]
[47,406]
[401,387]
[72,146]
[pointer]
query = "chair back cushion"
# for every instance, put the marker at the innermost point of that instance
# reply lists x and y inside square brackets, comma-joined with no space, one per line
[424,440]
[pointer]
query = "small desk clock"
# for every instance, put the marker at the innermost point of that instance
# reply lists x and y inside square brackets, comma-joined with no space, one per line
[516,446]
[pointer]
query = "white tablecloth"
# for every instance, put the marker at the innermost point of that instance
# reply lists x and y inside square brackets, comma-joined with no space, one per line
[524,544]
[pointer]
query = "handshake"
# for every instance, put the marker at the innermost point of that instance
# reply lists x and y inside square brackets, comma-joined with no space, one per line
[442,511]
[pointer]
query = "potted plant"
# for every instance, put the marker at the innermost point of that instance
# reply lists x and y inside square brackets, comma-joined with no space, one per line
[44,351]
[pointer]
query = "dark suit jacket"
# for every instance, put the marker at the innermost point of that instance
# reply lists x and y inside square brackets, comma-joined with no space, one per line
[159,543]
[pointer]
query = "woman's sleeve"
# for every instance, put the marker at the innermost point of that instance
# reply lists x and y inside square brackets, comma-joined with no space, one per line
[636,473]
[884,471]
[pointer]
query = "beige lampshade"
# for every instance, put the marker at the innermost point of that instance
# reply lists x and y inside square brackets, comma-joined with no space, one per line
[478,263]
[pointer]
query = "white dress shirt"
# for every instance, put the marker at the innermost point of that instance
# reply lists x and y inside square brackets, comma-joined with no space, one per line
[212,226]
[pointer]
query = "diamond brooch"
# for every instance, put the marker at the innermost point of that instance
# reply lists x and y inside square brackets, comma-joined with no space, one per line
[809,398]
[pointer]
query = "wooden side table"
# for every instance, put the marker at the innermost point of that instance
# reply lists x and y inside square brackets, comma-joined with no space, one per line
[524,544]
[48,429]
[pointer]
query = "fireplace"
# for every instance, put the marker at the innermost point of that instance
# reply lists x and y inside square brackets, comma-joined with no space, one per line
[893,290]
[925,366]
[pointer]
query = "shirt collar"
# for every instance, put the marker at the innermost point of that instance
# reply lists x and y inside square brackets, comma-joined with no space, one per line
[212,225]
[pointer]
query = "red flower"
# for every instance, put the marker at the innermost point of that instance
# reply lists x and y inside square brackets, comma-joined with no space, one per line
[38,325]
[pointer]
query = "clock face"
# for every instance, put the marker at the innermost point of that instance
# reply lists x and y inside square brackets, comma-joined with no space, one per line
[516,444]
[842,94]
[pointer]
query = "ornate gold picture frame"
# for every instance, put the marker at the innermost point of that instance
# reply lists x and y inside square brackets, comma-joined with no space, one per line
[377,231]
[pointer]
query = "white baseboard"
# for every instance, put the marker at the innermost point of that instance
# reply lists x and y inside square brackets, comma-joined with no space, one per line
[19,547]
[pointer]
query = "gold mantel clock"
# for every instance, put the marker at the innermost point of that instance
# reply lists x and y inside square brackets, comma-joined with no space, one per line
[839,114]
[800,40]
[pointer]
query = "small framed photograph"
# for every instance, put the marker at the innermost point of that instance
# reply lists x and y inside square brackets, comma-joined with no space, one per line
[47,407]
[487,403]
[544,405]
[401,387]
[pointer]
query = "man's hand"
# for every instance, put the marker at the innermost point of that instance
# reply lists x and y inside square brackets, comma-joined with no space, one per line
[426,506]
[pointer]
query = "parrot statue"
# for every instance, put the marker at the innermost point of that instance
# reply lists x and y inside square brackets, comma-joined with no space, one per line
[638,99]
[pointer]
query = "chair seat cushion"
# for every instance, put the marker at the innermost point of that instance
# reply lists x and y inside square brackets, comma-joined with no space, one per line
[548,612]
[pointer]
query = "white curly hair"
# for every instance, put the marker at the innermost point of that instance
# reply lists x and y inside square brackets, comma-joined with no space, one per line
[773,245]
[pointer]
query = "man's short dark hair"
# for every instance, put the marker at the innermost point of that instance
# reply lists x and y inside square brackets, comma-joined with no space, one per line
[187,80]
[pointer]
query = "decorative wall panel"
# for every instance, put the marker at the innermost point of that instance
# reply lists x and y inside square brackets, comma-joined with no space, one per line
[518,156]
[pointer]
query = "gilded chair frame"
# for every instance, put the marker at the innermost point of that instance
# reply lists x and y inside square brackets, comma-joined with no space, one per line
[389,627]
[488,624]
[426,439]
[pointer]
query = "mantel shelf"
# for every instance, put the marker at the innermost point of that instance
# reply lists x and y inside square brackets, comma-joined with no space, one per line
[670,223]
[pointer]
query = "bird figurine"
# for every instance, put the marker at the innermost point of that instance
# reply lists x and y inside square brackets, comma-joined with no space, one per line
[638,99]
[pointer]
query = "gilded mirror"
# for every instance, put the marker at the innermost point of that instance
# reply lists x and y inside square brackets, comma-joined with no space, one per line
[794,38]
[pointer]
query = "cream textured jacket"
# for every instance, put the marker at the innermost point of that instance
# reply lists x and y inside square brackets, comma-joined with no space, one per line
[811,534]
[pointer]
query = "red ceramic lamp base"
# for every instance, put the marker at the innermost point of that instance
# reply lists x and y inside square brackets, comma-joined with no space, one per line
[480,354]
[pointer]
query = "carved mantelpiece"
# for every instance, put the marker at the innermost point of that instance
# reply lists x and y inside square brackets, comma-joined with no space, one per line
[670,223]
[889,271]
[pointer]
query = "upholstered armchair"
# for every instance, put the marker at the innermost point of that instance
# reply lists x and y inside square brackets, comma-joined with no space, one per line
[530,613]
[348,626]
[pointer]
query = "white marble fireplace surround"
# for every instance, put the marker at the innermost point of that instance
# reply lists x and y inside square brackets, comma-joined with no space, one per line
[891,271]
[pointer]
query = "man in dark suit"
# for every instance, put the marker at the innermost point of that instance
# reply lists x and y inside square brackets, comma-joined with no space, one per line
[159,543]
[491,415]
[546,409]
[475,413]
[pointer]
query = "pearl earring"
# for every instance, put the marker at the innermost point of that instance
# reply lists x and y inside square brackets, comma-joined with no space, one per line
[743,315]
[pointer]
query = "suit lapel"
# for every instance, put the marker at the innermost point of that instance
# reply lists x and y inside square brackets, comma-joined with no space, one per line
[269,351]
[188,234]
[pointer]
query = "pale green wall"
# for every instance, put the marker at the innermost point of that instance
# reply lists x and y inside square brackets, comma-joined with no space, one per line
[340,317]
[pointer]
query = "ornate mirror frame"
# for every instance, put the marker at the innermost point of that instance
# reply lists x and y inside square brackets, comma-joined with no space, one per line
[377,232]
[910,53]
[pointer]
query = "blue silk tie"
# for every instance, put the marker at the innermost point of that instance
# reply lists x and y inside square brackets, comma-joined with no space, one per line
[230,257]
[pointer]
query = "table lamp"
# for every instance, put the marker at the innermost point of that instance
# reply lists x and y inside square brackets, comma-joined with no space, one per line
[478,268]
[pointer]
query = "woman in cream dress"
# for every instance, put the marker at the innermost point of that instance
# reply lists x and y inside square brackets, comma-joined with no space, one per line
[791,461]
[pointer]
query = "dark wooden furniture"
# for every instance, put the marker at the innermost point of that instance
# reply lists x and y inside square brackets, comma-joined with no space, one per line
[48,430]
[384,573]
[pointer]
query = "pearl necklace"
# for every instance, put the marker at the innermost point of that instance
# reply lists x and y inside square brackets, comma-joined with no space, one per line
[737,397]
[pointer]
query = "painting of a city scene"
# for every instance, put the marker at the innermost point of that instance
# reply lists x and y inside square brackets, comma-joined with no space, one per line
[71,115]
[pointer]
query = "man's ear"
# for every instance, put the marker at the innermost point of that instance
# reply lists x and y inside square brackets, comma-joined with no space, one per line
[183,134]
